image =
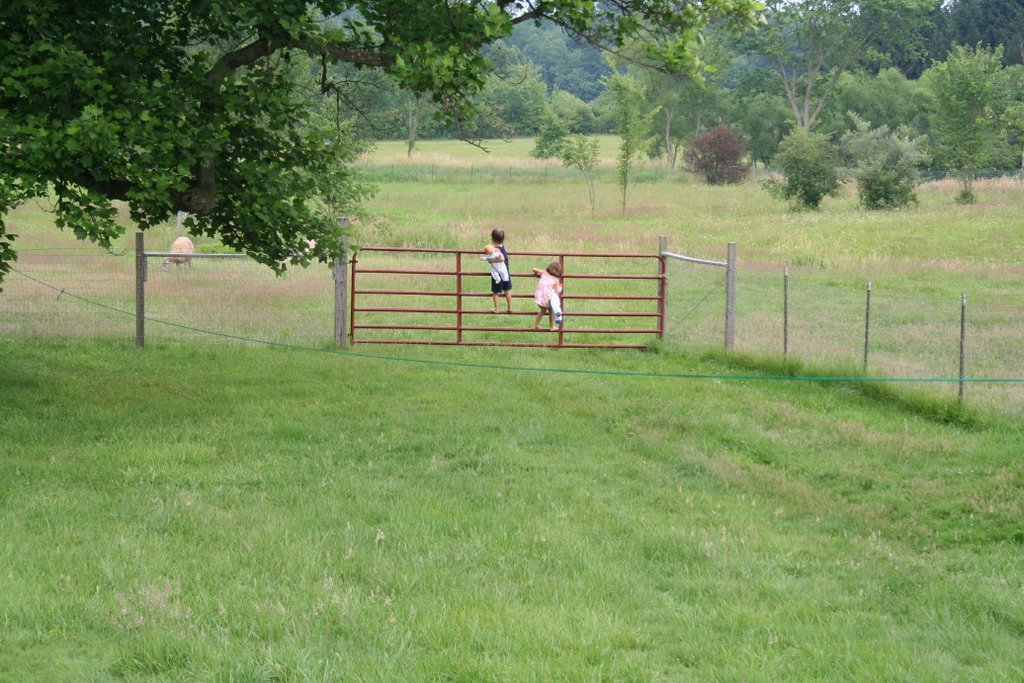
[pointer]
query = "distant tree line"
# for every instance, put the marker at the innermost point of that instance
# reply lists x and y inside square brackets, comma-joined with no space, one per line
[831,66]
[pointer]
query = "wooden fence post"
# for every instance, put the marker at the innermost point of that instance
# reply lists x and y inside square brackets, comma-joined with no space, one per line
[340,269]
[867,327]
[785,313]
[963,343]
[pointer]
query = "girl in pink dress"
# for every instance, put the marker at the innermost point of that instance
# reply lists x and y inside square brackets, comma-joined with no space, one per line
[548,295]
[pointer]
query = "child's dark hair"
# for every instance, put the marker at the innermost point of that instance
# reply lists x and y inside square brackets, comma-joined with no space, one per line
[497,235]
[554,269]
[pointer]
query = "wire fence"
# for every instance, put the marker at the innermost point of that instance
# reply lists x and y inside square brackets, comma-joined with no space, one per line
[538,171]
[829,322]
[534,173]
[237,297]
[819,319]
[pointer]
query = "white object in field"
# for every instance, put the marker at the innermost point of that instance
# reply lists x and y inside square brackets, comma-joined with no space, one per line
[183,246]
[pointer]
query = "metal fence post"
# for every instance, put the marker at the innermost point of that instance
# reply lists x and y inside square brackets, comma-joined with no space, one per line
[662,285]
[867,326]
[785,313]
[730,298]
[140,290]
[963,338]
[561,328]
[458,297]
[352,301]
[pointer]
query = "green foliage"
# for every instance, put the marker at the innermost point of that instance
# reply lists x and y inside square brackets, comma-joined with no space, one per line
[717,154]
[687,103]
[176,106]
[887,98]
[632,125]
[965,89]
[565,64]
[764,120]
[988,23]
[553,132]
[376,107]
[513,101]
[810,166]
[11,194]
[810,43]
[577,114]
[886,164]
[1013,114]
[580,152]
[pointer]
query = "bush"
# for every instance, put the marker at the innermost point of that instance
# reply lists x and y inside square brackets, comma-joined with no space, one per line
[811,169]
[717,154]
[885,164]
[966,196]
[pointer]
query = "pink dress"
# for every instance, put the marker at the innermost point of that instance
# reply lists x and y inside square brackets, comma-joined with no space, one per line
[547,286]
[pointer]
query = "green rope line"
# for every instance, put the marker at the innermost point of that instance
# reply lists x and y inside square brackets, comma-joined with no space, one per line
[526,368]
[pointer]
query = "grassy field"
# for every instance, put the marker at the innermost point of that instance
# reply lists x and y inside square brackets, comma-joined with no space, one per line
[207,510]
[956,244]
[919,261]
[199,512]
[497,153]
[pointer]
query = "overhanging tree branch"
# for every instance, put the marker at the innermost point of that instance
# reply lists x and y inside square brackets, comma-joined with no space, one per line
[236,59]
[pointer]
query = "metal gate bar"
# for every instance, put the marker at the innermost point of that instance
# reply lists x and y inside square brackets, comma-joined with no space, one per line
[461,295]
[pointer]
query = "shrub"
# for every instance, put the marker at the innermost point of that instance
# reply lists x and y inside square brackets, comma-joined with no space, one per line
[885,164]
[717,154]
[811,169]
[966,194]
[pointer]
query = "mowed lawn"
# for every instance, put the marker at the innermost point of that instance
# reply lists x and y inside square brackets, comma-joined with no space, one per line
[205,512]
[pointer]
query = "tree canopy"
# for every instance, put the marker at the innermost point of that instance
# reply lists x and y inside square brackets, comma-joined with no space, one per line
[198,105]
[966,91]
[811,43]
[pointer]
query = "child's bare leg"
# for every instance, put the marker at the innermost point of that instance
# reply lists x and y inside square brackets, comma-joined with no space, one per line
[494,297]
[508,300]
[536,321]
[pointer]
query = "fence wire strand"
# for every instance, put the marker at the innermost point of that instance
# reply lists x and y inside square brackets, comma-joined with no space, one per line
[911,338]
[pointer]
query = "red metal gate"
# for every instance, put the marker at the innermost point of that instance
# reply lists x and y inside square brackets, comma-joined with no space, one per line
[449,284]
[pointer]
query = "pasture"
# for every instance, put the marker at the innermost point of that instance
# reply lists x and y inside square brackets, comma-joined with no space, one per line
[209,510]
